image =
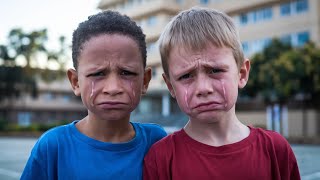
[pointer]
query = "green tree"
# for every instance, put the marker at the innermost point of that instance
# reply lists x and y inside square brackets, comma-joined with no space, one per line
[27,44]
[281,73]
[16,80]
[263,72]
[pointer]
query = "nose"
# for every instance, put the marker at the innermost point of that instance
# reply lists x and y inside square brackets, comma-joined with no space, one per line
[112,85]
[204,86]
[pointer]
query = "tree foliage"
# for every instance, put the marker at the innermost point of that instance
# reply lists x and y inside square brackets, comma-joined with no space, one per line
[27,44]
[280,73]
[14,79]
[13,82]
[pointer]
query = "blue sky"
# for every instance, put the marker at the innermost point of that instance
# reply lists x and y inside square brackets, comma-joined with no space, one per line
[60,17]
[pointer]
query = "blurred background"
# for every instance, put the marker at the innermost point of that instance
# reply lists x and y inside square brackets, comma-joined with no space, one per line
[280,37]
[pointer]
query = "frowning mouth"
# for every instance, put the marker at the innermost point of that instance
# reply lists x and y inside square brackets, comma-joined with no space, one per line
[207,106]
[111,105]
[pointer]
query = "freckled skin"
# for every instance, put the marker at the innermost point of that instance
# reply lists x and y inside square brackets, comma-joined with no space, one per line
[204,83]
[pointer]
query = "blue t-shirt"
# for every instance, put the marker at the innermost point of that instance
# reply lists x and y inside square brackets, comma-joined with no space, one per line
[65,153]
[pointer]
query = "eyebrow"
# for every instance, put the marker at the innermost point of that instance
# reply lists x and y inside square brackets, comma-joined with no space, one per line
[184,70]
[94,69]
[191,68]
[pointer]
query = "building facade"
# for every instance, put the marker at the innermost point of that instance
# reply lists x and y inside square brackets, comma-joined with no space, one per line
[292,21]
[54,103]
[258,21]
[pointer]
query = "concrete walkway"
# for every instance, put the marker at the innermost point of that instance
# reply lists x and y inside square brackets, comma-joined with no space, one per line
[14,153]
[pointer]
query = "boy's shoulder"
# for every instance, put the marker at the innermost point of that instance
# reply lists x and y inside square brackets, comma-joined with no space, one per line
[149,127]
[271,138]
[269,134]
[56,131]
[268,138]
[169,142]
[154,131]
[49,141]
[55,134]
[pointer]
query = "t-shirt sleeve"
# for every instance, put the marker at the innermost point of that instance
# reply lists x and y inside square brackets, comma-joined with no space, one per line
[154,133]
[288,165]
[294,170]
[34,168]
[41,163]
[158,133]
[150,170]
[294,174]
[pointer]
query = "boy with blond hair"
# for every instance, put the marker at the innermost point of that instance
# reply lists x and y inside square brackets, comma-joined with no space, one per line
[204,67]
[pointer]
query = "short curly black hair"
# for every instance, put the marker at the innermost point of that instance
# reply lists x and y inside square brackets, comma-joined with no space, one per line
[107,22]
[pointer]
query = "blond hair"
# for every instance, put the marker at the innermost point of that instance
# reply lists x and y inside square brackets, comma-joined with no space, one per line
[194,29]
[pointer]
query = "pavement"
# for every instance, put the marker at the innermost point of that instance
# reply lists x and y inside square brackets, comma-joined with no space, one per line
[14,153]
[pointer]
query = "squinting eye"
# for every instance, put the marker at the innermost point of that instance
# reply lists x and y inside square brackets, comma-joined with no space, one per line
[214,71]
[127,73]
[186,76]
[100,73]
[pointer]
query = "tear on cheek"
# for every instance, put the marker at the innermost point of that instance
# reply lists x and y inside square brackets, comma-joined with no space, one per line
[92,94]
[187,99]
[224,93]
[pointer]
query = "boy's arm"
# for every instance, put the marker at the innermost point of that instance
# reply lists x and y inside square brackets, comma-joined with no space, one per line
[39,161]
[33,170]
[294,173]
[287,161]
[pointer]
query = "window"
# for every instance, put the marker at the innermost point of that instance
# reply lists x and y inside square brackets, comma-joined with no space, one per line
[256,16]
[294,7]
[151,21]
[302,6]
[204,2]
[252,47]
[66,98]
[24,118]
[48,96]
[303,38]
[285,9]
[296,39]
[245,47]
[243,19]
[267,13]
[179,2]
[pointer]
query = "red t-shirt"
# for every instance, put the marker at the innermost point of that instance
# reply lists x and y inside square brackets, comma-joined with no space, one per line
[262,155]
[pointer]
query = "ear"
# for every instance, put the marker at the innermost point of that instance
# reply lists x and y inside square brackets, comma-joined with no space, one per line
[169,85]
[146,80]
[73,79]
[244,73]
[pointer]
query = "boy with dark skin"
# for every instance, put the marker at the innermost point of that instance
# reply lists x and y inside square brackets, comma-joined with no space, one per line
[110,75]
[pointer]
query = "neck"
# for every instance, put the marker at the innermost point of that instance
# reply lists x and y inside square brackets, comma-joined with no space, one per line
[227,131]
[106,131]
